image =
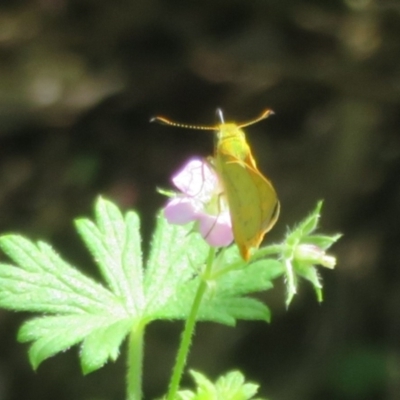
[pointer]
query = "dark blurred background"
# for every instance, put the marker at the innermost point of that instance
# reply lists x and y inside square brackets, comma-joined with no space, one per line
[79,81]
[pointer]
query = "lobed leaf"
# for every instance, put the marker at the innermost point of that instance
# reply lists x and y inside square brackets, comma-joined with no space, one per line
[78,308]
[231,386]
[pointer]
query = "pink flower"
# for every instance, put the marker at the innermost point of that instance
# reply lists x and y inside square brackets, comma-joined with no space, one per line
[200,201]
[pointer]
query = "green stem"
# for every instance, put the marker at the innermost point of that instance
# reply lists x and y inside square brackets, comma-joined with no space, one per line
[135,363]
[186,339]
[261,254]
[272,249]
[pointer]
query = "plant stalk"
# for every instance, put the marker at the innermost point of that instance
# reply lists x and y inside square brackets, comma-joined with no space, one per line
[187,334]
[135,363]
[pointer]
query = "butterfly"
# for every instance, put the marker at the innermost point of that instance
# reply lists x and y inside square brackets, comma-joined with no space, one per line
[253,203]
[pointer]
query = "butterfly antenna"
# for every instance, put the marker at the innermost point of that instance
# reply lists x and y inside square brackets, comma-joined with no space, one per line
[264,115]
[166,121]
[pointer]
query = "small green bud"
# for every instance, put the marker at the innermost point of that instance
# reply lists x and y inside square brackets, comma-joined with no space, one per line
[313,255]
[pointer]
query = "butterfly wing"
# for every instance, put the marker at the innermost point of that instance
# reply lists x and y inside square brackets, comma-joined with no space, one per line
[253,203]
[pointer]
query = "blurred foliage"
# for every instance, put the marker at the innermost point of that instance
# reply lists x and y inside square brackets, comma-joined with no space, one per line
[79,80]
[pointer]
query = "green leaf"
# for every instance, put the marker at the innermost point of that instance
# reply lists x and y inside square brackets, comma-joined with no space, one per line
[44,282]
[323,241]
[311,274]
[53,334]
[177,255]
[103,344]
[77,308]
[116,247]
[225,301]
[231,386]
[310,223]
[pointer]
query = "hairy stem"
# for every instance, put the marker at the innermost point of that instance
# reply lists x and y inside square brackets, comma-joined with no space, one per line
[135,363]
[187,335]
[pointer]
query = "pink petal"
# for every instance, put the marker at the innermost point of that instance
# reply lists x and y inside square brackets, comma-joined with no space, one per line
[196,179]
[216,229]
[181,210]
